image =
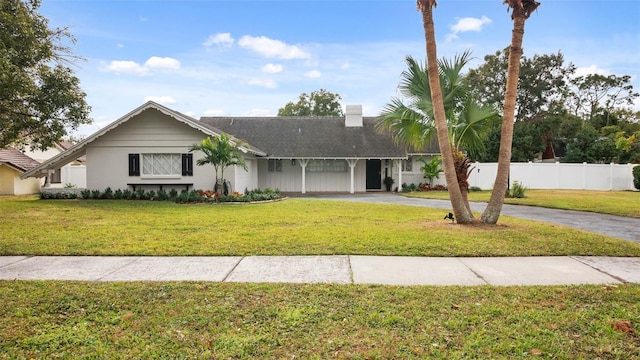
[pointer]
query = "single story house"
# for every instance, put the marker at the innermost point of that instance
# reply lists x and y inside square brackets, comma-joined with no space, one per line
[148,148]
[13,164]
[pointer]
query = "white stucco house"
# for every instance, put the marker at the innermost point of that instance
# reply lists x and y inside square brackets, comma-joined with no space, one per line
[148,148]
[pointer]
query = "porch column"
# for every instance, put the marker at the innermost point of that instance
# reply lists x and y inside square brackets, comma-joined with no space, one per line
[352,165]
[303,165]
[400,175]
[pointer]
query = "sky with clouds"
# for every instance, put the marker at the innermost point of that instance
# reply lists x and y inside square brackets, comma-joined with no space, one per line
[249,58]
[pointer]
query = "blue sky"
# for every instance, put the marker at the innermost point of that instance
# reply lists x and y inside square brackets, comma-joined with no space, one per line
[249,58]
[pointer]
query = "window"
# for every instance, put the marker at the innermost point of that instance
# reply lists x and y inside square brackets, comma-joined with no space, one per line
[315,166]
[55,178]
[407,165]
[161,164]
[274,165]
[335,165]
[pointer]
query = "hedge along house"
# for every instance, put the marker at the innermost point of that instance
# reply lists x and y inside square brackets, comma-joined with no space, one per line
[148,148]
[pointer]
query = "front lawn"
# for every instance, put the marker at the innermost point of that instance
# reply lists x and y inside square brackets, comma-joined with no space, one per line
[137,320]
[622,203]
[292,227]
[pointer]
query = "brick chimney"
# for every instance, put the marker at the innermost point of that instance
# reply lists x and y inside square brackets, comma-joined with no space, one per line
[353,116]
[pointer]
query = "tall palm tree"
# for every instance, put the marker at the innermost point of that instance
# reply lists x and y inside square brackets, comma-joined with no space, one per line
[460,209]
[220,152]
[411,122]
[520,12]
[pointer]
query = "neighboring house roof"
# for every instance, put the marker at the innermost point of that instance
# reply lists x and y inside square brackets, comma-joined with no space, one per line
[66,145]
[310,137]
[17,160]
[79,149]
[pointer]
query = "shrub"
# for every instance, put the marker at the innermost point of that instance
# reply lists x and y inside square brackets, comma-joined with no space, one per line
[95,194]
[162,195]
[517,190]
[139,194]
[107,194]
[475,188]
[85,194]
[636,176]
[127,194]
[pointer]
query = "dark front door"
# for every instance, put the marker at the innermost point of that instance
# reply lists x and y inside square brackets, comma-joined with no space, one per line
[374,174]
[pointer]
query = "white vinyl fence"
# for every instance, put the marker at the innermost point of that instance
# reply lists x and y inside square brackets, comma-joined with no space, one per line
[558,176]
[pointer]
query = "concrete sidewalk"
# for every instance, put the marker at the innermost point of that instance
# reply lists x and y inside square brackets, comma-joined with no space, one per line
[340,269]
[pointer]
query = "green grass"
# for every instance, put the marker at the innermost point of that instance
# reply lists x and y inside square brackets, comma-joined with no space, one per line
[622,203]
[282,321]
[291,227]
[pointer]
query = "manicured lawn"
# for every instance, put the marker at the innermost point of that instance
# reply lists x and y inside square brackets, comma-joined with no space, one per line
[292,227]
[246,321]
[623,203]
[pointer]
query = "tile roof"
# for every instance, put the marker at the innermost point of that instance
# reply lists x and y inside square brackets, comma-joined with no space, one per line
[310,137]
[16,159]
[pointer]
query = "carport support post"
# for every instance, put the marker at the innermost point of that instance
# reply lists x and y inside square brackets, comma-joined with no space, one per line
[352,165]
[400,175]
[303,164]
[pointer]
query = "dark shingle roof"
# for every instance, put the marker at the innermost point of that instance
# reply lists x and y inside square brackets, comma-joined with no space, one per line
[310,137]
[16,159]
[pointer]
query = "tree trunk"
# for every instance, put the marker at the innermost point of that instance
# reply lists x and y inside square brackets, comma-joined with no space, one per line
[492,212]
[460,209]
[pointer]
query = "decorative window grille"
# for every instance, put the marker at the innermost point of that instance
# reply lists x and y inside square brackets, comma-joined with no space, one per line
[274,165]
[335,166]
[162,164]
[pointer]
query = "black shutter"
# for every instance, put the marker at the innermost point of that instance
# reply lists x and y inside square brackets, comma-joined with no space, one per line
[134,164]
[187,164]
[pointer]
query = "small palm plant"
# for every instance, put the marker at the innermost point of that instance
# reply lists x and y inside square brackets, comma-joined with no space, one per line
[431,169]
[221,152]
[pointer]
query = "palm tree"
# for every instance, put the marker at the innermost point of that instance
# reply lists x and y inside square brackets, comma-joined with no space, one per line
[520,11]
[413,123]
[460,210]
[431,169]
[220,152]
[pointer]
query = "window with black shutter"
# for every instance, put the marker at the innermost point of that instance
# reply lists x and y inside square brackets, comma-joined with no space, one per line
[134,164]
[187,164]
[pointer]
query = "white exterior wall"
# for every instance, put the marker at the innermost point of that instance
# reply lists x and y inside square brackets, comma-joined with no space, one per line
[246,179]
[290,179]
[558,176]
[149,132]
[10,183]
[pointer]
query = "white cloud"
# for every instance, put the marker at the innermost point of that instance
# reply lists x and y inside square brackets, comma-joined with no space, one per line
[593,69]
[119,46]
[132,67]
[162,63]
[273,48]
[266,83]
[313,74]
[272,68]
[223,39]
[160,99]
[213,112]
[469,24]
[126,67]
[345,65]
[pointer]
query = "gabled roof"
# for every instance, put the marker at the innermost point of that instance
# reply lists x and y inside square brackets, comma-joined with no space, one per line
[79,149]
[310,137]
[17,160]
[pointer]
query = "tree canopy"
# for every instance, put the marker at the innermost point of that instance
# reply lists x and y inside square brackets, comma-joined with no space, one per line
[318,103]
[40,97]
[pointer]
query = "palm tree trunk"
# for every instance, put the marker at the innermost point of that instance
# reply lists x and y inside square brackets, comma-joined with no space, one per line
[520,14]
[460,209]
